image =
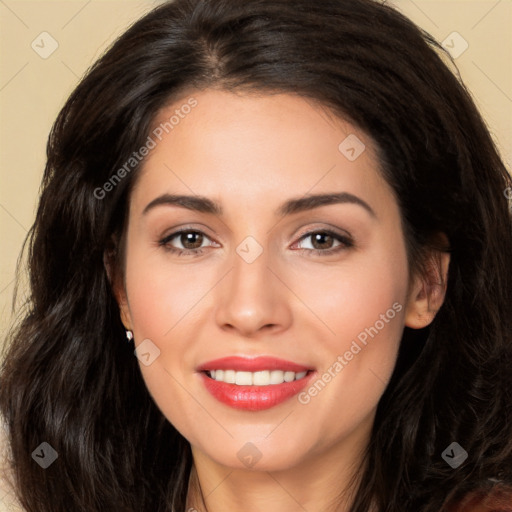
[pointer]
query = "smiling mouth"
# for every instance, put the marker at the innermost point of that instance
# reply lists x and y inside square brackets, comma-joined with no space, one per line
[255,391]
[254,383]
[260,378]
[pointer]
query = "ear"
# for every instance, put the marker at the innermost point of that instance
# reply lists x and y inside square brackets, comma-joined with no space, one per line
[428,289]
[118,289]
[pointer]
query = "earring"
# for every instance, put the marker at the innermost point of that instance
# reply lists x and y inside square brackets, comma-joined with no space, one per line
[129,336]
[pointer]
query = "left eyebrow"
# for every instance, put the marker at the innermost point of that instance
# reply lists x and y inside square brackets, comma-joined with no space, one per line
[310,202]
[205,205]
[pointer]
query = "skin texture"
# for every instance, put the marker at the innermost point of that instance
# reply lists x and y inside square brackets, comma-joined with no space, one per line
[251,153]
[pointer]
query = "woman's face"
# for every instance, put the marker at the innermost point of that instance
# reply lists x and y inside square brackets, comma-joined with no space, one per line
[292,251]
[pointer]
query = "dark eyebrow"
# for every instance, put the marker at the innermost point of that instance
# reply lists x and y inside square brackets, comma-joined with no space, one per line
[205,205]
[195,203]
[314,201]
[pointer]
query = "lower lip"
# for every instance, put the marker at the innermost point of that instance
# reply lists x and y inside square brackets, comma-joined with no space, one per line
[254,398]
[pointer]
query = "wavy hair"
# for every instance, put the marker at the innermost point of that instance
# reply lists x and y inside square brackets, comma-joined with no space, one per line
[70,379]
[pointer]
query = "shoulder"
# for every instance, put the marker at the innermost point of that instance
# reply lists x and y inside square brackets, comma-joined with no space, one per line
[497,499]
[8,501]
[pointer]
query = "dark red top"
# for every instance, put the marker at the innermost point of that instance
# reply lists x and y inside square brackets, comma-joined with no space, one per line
[499,499]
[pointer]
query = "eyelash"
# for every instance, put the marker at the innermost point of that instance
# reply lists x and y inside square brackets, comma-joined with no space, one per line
[346,243]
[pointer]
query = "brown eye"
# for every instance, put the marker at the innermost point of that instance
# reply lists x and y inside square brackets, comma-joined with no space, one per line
[185,242]
[191,240]
[324,242]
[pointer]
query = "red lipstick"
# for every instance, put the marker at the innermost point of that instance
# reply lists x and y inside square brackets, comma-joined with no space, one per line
[253,397]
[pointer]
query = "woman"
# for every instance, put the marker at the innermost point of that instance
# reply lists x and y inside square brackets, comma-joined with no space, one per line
[294,216]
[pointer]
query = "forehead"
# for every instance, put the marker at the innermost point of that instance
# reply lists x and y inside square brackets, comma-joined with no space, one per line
[250,146]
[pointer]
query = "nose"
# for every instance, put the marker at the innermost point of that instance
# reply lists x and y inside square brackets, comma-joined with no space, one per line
[252,299]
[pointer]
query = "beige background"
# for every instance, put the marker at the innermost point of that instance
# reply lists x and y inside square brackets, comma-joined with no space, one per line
[33,89]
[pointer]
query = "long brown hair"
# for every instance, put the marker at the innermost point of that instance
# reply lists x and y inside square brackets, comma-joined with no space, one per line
[70,380]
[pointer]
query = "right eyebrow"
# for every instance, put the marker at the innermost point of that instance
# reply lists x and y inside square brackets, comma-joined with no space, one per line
[197,203]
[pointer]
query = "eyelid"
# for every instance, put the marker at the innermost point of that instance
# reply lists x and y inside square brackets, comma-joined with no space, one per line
[322,229]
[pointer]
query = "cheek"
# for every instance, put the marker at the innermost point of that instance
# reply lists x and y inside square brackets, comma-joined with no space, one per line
[352,298]
[366,317]
[363,306]
[163,306]
[160,295]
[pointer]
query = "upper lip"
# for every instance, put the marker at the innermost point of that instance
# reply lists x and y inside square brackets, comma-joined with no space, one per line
[252,364]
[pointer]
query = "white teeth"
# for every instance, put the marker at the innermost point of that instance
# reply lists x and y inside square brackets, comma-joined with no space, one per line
[289,376]
[261,378]
[276,377]
[230,376]
[243,378]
